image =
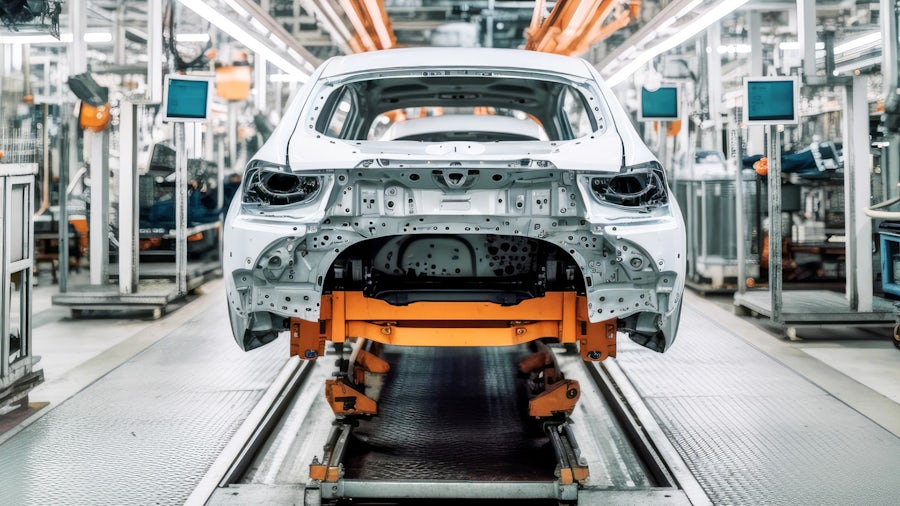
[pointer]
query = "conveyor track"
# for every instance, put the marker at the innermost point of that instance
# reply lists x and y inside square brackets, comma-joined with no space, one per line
[453,427]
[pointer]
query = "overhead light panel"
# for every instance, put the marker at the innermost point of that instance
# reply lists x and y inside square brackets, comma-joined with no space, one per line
[681,35]
[283,78]
[47,39]
[192,37]
[238,33]
[869,39]
[793,45]
[98,37]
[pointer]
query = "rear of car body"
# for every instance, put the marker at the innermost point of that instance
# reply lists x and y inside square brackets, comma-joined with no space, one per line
[327,206]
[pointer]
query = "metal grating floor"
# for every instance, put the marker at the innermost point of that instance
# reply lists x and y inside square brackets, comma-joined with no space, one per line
[755,432]
[147,432]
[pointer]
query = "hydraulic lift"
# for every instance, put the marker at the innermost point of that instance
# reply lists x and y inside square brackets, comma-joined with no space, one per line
[354,391]
[560,316]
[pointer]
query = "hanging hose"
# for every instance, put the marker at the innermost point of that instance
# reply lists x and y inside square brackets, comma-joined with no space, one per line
[45,189]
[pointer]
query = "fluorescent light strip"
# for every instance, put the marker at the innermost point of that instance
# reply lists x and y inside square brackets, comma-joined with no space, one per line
[239,34]
[47,39]
[191,37]
[865,40]
[683,34]
[283,78]
[98,37]
[851,67]
[793,45]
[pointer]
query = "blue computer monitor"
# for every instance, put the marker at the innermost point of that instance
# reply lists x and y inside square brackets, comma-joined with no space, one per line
[771,100]
[186,98]
[659,105]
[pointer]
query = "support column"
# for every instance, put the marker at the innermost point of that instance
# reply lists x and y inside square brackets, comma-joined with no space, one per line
[99,215]
[775,226]
[181,140]
[806,33]
[154,51]
[489,24]
[735,154]
[128,198]
[714,81]
[857,196]
[890,54]
[260,83]
[78,18]
[756,134]
[232,133]
[890,168]
[890,60]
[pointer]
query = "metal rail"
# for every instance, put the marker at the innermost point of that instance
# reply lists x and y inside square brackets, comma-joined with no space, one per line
[667,473]
[268,423]
[250,437]
[663,460]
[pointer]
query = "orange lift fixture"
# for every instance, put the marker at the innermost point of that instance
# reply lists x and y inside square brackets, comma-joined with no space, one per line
[559,316]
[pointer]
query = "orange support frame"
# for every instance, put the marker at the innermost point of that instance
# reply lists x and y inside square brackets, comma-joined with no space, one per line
[596,341]
[557,315]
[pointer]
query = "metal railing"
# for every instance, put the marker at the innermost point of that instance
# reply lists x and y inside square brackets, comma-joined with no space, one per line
[18,146]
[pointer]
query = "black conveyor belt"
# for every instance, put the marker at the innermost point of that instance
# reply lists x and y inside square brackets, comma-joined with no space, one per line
[451,414]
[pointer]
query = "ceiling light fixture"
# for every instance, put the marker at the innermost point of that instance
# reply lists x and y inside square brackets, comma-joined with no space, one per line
[282,78]
[49,40]
[241,35]
[98,37]
[191,37]
[793,45]
[866,40]
[682,34]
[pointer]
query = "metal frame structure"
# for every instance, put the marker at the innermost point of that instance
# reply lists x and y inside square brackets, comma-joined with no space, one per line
[858,306]
[798,308]
[17,373]
[131,293]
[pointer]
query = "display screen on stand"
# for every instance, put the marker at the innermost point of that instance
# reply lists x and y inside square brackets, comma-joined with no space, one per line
[659,105]
[186,98]
[772,100]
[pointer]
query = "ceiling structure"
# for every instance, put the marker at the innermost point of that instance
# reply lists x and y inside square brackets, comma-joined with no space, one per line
[613,34]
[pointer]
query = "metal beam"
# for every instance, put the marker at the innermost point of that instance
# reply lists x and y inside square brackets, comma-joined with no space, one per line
[99,213]
[857,192]
[154,51]
[806,28]
[450,489]
[128,198]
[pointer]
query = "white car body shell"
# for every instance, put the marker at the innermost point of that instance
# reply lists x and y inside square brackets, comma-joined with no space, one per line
[655,238]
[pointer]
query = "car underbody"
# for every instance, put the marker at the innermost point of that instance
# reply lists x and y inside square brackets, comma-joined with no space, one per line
[404,236]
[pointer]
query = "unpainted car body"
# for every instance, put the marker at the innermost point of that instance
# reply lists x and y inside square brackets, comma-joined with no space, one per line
[324,209]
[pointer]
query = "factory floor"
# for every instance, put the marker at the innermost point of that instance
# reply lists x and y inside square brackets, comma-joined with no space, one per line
[858,368]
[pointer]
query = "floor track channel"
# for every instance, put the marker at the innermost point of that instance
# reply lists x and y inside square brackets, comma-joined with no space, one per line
[452,426]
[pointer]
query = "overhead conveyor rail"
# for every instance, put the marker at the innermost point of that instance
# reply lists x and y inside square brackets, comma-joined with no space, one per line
[452,425]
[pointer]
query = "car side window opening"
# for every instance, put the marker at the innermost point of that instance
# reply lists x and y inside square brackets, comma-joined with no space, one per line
[578,116]
[366,109]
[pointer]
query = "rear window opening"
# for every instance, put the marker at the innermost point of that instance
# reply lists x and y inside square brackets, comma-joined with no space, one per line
[436,109]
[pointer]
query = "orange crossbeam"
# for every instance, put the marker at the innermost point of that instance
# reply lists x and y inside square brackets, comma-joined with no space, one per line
[556,315]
